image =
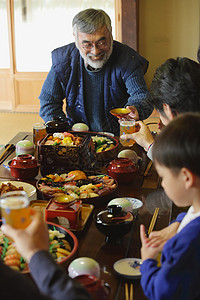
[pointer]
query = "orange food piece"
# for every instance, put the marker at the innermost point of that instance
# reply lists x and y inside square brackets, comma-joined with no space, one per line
[12,262]
[12,256]
[78,174]
[69,134]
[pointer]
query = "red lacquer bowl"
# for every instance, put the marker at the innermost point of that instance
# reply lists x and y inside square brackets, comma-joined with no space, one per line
[122,169]
[24,167]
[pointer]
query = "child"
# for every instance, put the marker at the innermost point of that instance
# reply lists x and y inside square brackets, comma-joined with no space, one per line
[176,154]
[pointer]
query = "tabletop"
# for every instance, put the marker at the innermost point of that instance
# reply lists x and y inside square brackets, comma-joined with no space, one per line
[92,242]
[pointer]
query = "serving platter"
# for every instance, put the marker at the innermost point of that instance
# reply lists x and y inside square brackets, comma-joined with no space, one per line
[28,188]
[103,187]
[58,235]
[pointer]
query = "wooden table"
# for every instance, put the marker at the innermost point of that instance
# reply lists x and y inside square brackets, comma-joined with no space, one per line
[92,242]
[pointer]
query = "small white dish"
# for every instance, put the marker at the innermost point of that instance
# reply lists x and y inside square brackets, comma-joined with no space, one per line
[128,267]
[28,188]
[6,164]
[136,204]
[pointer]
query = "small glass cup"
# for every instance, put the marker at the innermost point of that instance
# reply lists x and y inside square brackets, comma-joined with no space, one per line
[39,131]
[127,127]
[15,209]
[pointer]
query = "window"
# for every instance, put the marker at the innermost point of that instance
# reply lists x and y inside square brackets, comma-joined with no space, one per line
[4,49]
[43,25]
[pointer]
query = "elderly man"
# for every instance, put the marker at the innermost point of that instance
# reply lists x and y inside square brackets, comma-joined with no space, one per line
[94,75]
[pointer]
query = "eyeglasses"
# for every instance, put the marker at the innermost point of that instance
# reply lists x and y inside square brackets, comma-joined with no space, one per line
[99,45]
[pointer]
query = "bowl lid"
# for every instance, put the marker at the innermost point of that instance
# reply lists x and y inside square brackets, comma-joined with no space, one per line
[122,165]
[114,216]
[24,161]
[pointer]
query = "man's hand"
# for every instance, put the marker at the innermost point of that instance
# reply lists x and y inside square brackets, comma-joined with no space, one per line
[142,136]
[32,239]
[147,250]
[133,115]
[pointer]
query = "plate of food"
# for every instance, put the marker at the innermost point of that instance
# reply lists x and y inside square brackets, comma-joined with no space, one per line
[95,189]
[11,185]
[63,246]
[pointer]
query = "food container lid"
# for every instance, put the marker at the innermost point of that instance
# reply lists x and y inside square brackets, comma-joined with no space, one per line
[24,161]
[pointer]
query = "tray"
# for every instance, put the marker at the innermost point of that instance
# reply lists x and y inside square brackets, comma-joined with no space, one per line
[86,210]
[39,205]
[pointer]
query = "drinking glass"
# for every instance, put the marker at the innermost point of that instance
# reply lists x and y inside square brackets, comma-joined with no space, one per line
[39,131]
[127,127]
[15,209]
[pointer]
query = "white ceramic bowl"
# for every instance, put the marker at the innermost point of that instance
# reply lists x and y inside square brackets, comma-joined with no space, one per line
[28,188]
[83,266]
[123,202]
[127,204]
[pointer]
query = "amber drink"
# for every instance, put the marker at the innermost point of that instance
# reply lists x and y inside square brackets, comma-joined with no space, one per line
[127,127]
[39,131]
[15,209]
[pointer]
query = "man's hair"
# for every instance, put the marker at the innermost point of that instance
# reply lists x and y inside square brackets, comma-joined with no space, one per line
[90,20]
[176,83]
[178,144]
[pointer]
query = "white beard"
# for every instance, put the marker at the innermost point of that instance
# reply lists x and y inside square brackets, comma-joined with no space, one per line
[96,64]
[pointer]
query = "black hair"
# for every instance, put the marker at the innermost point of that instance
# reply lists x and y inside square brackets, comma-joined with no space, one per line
[178,144]
[176,83]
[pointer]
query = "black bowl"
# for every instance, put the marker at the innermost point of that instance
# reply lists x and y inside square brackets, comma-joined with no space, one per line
[113,222]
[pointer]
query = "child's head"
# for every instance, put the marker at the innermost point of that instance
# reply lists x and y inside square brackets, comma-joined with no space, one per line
[176,153]
[175,86]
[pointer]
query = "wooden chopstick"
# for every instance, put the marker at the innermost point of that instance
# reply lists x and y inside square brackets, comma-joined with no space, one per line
[127,295]
[153,220]
[148,168]
[5,151]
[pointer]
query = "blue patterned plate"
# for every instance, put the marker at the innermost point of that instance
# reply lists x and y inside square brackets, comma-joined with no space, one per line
[128,267]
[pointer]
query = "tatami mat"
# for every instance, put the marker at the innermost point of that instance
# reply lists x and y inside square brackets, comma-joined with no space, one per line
[12,123]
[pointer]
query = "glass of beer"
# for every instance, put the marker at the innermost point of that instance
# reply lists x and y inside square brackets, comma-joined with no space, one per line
[127,127]
[39,131]
[15,209]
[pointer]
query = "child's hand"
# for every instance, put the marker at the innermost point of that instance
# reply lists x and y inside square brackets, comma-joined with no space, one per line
[148,251]
[158,237]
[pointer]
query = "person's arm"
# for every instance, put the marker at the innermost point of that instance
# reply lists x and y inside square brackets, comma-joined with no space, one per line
[33,244]
[51,98]
[53,280]
[139,95]
[14,285]
[178,276]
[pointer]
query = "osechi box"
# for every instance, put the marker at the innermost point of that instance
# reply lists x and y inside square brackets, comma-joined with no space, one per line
[57,158]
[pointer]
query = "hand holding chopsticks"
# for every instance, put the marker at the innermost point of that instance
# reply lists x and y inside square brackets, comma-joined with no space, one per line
[129,296]
[153,220]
